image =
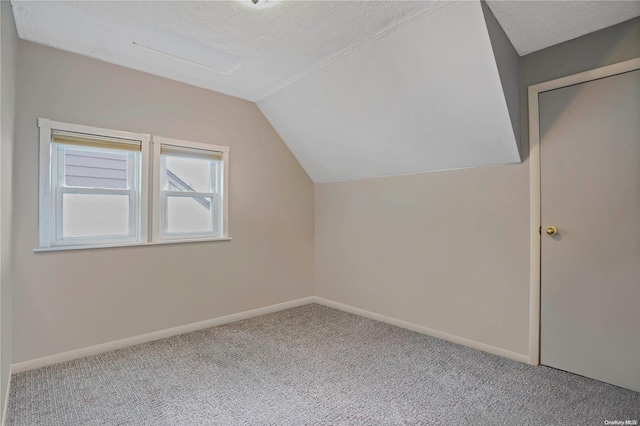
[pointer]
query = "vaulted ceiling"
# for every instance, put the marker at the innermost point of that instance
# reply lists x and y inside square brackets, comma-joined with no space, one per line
[426,97]
[356,89]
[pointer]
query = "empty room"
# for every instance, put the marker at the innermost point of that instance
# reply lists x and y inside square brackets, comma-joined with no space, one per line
[279,212]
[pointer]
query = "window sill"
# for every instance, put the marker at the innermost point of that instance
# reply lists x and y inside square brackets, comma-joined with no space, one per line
[101,246]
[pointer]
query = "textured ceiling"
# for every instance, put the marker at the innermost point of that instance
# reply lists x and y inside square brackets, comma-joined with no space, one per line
[264,49]
[234,48]
[534,25]
[248,52]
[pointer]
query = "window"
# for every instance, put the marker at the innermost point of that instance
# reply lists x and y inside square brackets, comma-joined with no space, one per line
[189,189]
[91,184]
[94,186]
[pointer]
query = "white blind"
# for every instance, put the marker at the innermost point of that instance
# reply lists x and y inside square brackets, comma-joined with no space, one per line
[94,141]
[182,151]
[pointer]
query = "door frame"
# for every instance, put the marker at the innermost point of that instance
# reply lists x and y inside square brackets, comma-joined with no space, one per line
[534,160]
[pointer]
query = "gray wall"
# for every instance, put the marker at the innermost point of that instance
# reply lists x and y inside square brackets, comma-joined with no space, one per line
[508,64]
[69,300]
[8,53]
[449,250]
[605,47]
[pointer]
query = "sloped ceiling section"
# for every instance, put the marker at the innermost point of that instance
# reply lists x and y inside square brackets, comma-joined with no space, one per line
[231,47]
[427,96]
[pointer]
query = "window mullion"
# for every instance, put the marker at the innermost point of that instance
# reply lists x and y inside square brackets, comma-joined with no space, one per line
[164,213]
[189,194]
[55,204]
[134,186]
[213,186]
[95,191]
[57,225]
[214,216]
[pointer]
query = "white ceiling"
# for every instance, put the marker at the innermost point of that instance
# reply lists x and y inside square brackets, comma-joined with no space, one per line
[265,49]
[425,97]
[534,25]
[274,46]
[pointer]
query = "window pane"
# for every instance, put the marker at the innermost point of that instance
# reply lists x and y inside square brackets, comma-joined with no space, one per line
[189,215]
[86,215]
[95,168]
[188,174]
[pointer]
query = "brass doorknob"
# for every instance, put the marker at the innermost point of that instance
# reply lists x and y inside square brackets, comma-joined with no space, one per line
[552,230]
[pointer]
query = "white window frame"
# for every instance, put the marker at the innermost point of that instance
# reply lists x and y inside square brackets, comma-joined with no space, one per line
[50,201]
[160,195]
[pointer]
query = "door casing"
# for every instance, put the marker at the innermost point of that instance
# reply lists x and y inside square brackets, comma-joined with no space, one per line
[534,189]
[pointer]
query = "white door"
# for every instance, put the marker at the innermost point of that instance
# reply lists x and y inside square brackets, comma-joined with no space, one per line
[590,191]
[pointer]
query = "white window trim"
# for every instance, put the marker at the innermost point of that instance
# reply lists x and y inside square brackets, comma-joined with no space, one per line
[119,245]
[47,225]
[159,195]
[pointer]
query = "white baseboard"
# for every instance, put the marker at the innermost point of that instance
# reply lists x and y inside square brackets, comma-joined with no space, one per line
[143,338]
[156,335]
[5,404]
[424,330]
